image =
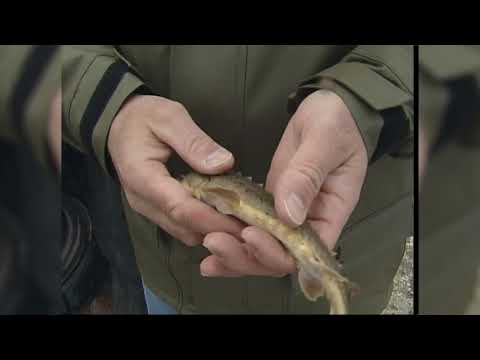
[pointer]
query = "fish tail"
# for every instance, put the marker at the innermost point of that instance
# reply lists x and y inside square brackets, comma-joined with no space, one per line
[351,288]
[311,285]
[316,283]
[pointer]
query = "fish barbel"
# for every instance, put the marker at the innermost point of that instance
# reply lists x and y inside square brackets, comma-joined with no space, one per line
[319,273]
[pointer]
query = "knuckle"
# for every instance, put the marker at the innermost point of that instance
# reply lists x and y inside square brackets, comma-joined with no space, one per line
[197,143]
[176,107]
[312,176]
[190,241]
[180,213]
[173,108]
[170,110]
[175,211]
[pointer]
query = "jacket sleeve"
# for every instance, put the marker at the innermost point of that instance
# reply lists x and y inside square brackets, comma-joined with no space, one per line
[96,81]
[376,84]
[449,93]
[29,80]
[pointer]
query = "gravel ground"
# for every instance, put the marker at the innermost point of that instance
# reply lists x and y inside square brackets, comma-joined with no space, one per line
[401,301]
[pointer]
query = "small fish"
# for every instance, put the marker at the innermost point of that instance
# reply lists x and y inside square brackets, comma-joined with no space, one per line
[319,273]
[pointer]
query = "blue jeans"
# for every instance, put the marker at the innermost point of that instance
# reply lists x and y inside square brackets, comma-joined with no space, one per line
[155,306]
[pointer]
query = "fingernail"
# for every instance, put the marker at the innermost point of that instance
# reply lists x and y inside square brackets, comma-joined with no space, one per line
[246,234]
[217,158]
[204,273]
[295,209]
[206,243]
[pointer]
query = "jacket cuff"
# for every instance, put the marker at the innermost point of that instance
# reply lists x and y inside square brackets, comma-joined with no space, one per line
[382,111]
[104,87]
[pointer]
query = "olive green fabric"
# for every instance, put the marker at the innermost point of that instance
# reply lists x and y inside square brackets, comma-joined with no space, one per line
[440,64]
[29,196]
[449,208]
[82,70]
[13,61]
[238,94]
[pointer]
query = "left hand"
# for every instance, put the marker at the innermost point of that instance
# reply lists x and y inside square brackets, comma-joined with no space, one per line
[316,174]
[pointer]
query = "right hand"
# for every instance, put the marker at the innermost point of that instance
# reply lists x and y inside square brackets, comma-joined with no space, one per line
[141,140]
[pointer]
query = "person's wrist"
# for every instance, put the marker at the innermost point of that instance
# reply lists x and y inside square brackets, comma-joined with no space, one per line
[343,118]
[119,119]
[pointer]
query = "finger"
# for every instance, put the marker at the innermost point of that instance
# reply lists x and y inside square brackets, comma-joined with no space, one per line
[329,219]
[183,234]
[334,204]
[234,255]
[193,145]
[302,179]
[162,194]
[212,266]
[268,250]
[286,149]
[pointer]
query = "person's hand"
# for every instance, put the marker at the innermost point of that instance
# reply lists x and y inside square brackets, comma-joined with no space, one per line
[316,174]
[142,137]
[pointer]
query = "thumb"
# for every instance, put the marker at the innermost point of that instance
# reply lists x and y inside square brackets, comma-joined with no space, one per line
[300,182]
[193,145]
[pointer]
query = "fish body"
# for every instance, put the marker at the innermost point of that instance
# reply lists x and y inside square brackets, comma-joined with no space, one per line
[319,273]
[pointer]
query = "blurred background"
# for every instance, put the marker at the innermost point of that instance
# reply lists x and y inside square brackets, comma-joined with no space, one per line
[54,256]
[449,203]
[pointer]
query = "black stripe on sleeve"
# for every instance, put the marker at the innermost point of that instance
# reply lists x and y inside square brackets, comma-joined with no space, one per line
[31,73]
[99,100]
[395,129]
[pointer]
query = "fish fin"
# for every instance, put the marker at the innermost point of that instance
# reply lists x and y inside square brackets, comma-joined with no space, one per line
[223,200]
[335,274]
[311,287]
[352,288]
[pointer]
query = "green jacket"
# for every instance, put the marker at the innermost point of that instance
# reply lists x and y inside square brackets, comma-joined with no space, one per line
[30,77]
[29,196]
[240,95]
[449,203]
